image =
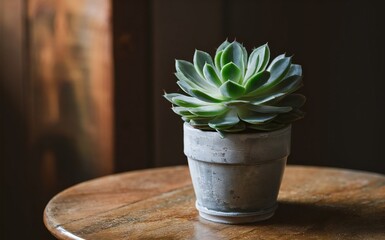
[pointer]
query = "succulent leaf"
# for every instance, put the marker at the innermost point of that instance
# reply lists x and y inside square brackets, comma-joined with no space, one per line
[231,90]
[208,111]
[205,97]
[187,81]
[239,127]
[231,72]
[258,60]
[170,96]
[266,98]
[233,53]
[264,55]
[277,73]
[288,85]
[269,109]
[225,120]
[223,46]
[185,87]
[279,69]
[217,60]
[182,111]
[235,103]
[244,60]
[185,101]
[256,81]
[211,75]
[279,57]
[200,122]
[295,69]
[200,59]
[253,117]
[187,70]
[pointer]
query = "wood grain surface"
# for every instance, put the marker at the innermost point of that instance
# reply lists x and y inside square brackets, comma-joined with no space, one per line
[314,203]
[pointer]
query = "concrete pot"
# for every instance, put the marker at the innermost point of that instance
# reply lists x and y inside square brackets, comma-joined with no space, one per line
[236,179]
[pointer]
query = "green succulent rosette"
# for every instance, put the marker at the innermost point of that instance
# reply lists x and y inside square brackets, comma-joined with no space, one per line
[234,92]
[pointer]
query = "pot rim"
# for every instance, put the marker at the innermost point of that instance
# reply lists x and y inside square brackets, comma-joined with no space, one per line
[261,134]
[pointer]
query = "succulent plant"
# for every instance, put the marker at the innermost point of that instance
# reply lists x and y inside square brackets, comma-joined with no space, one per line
[234,92]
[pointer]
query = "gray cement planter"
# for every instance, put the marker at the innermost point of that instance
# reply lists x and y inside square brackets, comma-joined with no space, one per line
[236,179]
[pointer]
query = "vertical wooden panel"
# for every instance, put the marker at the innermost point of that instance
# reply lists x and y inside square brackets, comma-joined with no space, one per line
[69,96]
[179,28]
[14,200]
[133,92]
[71,85]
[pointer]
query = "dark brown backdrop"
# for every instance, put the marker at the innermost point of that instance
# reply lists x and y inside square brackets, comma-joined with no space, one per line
[339,43]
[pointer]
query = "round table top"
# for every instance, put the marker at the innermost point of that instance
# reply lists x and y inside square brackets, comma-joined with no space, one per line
[314,203]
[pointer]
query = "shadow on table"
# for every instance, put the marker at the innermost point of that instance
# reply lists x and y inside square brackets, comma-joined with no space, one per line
[337,220]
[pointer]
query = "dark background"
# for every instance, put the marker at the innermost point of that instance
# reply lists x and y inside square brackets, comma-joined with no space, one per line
[340,45]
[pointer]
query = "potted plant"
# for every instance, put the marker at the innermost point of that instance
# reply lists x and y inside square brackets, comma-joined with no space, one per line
[238,111]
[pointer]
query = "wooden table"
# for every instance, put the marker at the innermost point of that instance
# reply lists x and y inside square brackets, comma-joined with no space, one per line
[314,203]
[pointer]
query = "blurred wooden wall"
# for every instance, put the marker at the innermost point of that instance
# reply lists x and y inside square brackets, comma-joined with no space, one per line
[70,72]
[56,104]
